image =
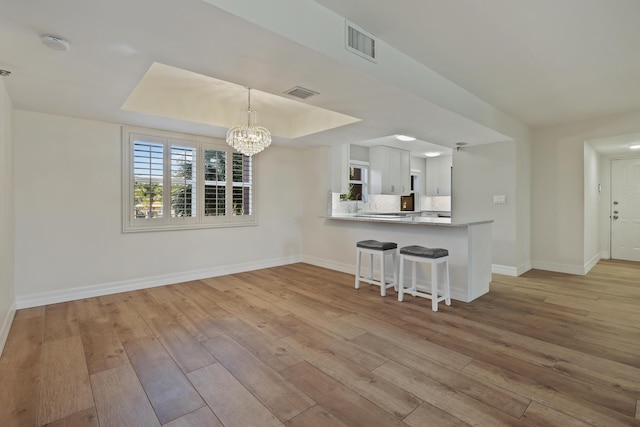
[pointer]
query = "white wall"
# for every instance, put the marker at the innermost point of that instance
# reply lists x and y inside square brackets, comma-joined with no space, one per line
[479,173]
[7,218]
[68,218]
[592,204]
[558,205]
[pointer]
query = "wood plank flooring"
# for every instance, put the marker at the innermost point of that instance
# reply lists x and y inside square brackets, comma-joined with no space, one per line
[298,346]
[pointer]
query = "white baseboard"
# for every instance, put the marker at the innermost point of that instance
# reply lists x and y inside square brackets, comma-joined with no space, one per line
[605,255]
[559,268]
[592,262]
[34,300]
[508,270]
[523,268]
[504,269]
[5,327]
[331,265]
[567,268]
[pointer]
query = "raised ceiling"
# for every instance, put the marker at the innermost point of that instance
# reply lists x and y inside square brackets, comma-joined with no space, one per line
[540,62]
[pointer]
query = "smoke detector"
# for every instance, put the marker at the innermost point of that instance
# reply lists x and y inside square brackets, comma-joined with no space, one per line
[55,43]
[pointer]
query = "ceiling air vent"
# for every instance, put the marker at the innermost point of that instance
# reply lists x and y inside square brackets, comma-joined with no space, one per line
[300,92]
[360,42]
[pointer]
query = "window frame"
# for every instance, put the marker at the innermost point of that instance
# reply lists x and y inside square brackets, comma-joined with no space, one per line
[364,182]
[130,223]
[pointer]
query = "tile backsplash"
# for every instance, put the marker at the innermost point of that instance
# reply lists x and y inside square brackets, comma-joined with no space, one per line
[435,203]
[375,203]
[384,203]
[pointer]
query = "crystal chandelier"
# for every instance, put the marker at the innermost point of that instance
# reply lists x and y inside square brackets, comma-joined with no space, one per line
[249,138]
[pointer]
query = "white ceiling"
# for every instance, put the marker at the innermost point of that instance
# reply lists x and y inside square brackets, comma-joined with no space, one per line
[542,62]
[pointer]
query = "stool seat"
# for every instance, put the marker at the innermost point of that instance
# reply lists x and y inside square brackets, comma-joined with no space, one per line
[383,249]
[434,257]
[376,245]
[421,251]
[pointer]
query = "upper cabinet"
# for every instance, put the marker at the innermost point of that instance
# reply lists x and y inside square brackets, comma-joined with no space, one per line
[438,176]
[389,170]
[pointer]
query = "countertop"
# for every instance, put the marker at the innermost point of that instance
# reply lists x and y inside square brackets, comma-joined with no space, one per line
[409,219]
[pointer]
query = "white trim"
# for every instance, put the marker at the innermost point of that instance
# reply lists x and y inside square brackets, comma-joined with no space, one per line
[504,269]
[6,326]
[331,265]
[569,269]
[523,268]
[559,268]
[591,263]
[65,295]
[605,255]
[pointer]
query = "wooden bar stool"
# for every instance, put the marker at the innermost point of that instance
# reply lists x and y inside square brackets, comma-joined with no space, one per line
[384,249]
[433,256]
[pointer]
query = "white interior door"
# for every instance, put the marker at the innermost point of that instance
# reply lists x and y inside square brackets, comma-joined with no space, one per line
[625,209]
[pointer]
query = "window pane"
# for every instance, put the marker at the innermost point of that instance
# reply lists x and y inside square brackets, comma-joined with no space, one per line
[183,181]
[355,174]
[147,181]
[242,181]
[215,184]
[355,191]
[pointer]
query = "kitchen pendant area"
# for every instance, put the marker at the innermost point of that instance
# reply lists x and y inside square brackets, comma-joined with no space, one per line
[387,180]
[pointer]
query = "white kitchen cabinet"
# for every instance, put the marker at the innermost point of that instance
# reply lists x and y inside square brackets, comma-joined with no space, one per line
[438,176]
[389,170]
[340,157]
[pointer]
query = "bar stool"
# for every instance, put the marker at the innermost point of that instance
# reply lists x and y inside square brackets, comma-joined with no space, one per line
[384,249]
[433,256]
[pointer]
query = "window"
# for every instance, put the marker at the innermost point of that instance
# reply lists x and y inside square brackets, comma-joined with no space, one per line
[358,188]
[174,181]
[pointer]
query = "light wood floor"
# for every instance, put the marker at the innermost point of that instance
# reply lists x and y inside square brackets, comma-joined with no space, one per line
[298,345]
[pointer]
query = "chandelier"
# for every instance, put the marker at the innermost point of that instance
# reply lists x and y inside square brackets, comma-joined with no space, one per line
[249,138]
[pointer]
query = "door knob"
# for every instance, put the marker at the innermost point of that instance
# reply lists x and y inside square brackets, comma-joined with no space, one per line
[615,217]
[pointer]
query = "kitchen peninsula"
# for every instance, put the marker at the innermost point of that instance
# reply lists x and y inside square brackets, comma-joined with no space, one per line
[469,245]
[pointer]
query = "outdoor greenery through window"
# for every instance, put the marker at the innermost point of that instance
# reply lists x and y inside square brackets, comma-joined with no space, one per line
[357,183]
[176,181]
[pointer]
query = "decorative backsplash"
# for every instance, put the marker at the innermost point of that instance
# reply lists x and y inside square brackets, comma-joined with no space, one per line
[435,203]
[384,204]
[374,203]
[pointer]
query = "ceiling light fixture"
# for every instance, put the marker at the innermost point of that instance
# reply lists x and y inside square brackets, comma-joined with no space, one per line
[249,138]
[405,138]
[432,154]
[55,43]
[635,147]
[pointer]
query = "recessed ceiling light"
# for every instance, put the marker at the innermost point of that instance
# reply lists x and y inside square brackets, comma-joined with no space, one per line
[405,138]
[433,154]
[635,147]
